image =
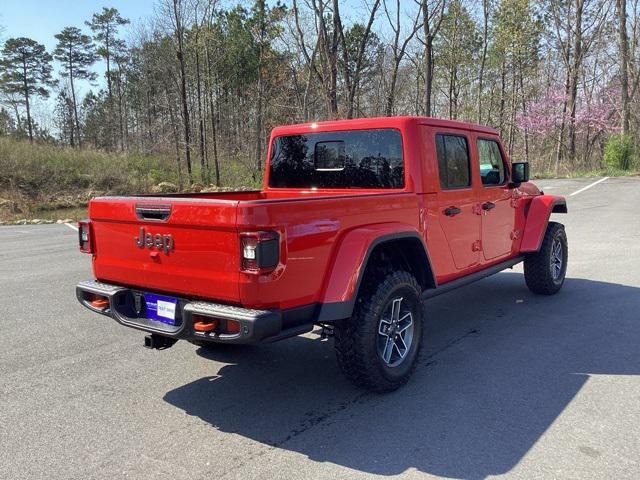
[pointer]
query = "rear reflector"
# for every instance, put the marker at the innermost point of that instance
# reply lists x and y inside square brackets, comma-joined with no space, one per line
[233,326]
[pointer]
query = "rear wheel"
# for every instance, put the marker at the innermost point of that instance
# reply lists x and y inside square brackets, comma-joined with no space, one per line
[545,270]
[378,347]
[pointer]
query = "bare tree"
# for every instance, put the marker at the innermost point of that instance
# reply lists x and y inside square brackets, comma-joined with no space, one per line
[398,48]
[432,15]
[352,79]
[326,48]
[624,63]
[590,17]
[196,30]
[261,37]
[483,56]
[176,12]
[210,13]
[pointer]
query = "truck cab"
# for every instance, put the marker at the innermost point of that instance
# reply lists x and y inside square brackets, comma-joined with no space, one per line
[358,224]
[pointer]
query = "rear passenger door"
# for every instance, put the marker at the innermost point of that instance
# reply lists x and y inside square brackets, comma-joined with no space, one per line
[457,199]
[498,213]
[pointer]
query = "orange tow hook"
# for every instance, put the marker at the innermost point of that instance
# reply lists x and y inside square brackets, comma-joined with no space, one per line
[100,302]
[205,326]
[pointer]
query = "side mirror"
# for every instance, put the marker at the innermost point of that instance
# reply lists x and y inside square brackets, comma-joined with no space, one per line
[519,173]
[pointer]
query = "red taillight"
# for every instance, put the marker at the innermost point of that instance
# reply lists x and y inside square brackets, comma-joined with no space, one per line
[85,239]
[259,251]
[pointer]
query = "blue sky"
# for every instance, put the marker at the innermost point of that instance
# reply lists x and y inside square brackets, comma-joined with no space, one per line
[42,19]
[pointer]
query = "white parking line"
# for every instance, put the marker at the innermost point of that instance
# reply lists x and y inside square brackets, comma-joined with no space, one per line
[588,186]
[72,227]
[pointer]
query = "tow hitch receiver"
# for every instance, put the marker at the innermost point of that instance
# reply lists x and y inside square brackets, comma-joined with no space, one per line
[158,342]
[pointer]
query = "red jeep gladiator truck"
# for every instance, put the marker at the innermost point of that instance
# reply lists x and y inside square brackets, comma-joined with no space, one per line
[359,222]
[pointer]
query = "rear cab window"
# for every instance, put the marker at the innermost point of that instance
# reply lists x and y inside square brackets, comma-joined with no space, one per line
[454,167]
[343,159]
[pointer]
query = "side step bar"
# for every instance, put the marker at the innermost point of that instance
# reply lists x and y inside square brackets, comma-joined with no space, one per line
[474,277]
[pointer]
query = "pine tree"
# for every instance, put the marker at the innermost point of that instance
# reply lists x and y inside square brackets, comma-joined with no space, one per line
[76,53]
[26,71]
[104,26]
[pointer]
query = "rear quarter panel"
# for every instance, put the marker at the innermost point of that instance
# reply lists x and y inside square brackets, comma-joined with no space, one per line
[311,231]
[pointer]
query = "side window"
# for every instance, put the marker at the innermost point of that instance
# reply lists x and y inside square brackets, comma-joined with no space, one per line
[453,161]
[491,163]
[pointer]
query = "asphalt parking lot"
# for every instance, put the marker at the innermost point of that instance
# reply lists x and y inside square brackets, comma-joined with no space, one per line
[510,384]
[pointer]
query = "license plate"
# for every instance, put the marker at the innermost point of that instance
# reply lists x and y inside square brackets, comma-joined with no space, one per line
[160,308]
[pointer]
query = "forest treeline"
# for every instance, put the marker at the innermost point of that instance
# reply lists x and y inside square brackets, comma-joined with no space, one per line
[202,82]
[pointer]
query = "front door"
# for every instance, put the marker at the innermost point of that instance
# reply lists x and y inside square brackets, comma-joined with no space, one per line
[457,199]
[498,213]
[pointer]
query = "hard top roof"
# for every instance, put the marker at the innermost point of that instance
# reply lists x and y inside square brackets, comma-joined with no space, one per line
[379,122]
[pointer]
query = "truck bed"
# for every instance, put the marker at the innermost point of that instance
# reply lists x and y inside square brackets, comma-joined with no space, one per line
[205,260]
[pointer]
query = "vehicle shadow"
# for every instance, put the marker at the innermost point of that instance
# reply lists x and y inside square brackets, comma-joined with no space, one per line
[499,366]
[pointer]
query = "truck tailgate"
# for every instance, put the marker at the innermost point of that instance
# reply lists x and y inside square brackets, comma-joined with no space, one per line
[200,254]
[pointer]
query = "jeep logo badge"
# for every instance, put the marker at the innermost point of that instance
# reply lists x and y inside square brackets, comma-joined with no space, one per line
[159,241]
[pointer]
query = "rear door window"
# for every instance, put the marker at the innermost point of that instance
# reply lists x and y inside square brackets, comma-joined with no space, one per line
[453,161]
[345,159]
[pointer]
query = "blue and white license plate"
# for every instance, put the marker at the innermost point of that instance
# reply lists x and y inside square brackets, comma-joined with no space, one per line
[160,308]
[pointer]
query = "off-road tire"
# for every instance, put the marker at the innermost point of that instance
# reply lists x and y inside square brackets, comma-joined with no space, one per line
[538,266]
[356,338]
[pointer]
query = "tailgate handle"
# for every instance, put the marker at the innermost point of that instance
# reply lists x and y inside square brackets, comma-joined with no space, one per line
[158,213]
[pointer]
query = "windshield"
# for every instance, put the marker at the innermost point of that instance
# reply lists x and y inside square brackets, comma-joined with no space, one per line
[345,159]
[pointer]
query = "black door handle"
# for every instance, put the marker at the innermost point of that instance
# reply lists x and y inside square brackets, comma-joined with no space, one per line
[452,211]
[488,205]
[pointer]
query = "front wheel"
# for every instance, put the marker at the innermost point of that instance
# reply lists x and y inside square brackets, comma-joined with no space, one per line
[545,270]
[378,347]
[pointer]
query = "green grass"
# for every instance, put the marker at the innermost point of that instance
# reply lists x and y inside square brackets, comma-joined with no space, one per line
[45,180]
[39,169]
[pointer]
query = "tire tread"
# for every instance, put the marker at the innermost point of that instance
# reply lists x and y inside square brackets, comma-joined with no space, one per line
[536,265]
[353,334]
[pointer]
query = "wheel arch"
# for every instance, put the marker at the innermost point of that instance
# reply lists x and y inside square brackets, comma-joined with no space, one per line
[560,206]
[537,218]
[359,251]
